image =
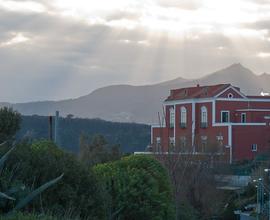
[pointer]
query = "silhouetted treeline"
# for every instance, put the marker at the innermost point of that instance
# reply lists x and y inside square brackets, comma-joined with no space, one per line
[130,136]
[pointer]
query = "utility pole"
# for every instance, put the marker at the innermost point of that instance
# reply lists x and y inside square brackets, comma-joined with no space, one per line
[258,205]
[269,205]
[50,129]
[56,127]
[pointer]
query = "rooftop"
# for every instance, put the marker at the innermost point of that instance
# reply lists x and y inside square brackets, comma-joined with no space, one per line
[197,92]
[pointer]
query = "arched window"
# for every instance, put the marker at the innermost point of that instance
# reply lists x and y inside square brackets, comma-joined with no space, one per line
[183,117]
[204,119]
[172,117]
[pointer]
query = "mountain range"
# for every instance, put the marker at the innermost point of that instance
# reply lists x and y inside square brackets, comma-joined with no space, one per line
[140,104]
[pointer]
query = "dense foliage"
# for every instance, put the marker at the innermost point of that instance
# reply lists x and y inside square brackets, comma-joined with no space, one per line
[137,187]
[24,216]
[9,123]
[130,136]
[77,193]
[14,197]
[97,150]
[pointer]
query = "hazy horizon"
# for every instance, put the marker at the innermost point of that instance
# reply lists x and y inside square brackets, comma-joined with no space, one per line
[59,49]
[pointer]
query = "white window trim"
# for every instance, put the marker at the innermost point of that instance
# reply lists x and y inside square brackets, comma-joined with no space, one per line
[229,119]
[205,118]
[209,100]
[253,110]
[183,115]
[183,141]
[244,114]
[230,95]
[256,147]
[234,89]
[172,141]
[171,119]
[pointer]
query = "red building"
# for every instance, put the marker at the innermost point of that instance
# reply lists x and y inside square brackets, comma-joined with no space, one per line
[217,119]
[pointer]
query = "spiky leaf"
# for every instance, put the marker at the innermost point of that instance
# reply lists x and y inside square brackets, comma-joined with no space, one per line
[2,144]
[5,196]
[35,193]
[5,156]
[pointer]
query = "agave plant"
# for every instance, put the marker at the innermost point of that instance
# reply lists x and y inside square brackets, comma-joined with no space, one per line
[28,198]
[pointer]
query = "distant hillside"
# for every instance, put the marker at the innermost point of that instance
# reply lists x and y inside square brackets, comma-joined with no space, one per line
[131,137]
[125,103]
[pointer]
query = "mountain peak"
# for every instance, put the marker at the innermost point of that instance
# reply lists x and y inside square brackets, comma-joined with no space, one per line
[265,74]
[235,69]
[236,66]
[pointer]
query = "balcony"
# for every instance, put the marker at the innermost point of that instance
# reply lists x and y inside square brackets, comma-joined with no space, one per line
[204,124]
[183,125]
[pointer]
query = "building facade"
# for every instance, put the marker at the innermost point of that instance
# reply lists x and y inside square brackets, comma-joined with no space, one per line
[213,120]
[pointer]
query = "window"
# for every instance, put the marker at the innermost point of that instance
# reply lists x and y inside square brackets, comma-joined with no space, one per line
[204,116]
[183,117]
[203,144]
[158,140]
[183,144]
[230,95]
[254,147]
[172,141]
[220,142]
[243,117]
[158,144]
[172,117]
[225,116]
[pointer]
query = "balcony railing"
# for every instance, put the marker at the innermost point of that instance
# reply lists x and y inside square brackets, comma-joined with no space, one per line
[183,125]
[204,124]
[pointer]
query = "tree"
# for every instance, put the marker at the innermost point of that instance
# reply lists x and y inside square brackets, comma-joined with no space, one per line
[10,121]
[69,116]
[137,187]
[97,150]
[194,186]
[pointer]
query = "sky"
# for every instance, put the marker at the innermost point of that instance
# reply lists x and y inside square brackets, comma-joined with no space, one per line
[58,49]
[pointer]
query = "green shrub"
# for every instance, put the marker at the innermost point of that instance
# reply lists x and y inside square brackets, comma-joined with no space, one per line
[137,188]
[77,194]
[22,216]
[13,194]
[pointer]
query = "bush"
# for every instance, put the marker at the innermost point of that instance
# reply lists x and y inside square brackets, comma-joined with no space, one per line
[22,216]
[187,212]
[9,123]
[137,188]
[76,194]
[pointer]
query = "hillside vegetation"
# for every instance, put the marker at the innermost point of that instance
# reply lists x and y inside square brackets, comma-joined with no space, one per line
[130,136]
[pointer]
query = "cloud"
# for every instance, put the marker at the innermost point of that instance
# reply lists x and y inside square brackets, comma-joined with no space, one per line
[16,39]
[181,4]
[54,54]
[22,6]
[263,54]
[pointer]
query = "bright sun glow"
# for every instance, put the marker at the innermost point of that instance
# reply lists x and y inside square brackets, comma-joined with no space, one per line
[17,39]
[211,15]
[23,6]
[176,17]
[263,55]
